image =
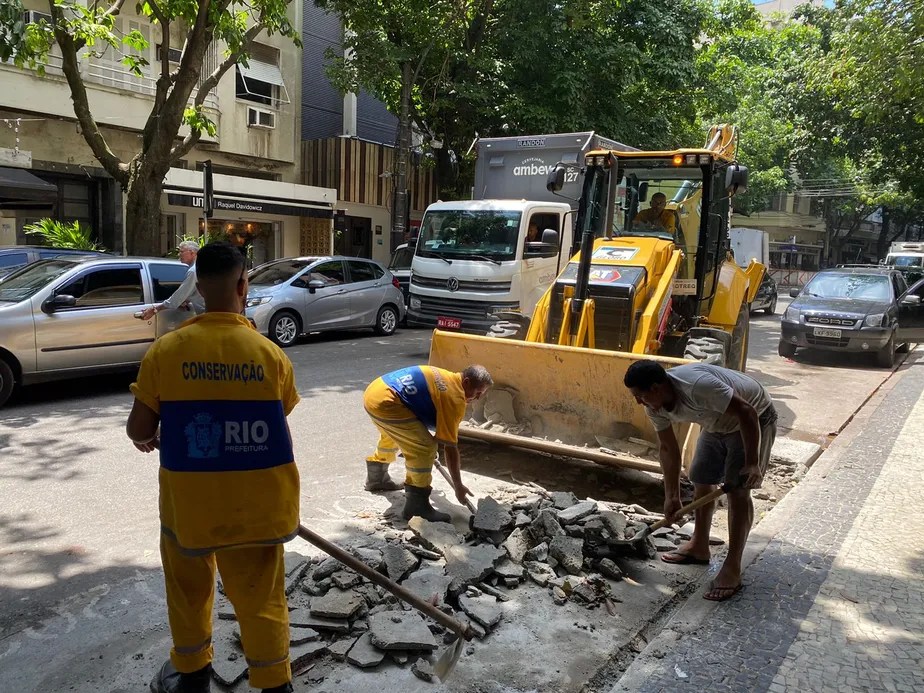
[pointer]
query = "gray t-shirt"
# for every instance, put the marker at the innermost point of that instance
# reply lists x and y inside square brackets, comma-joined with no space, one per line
[704,393]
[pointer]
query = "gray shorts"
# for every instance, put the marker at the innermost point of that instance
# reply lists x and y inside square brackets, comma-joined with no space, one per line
[719,457]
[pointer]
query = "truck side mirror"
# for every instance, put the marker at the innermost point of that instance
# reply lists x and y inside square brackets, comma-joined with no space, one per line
[794,293]
[643,191]
[911,300]
[736,179]
[550,237]
[556,180]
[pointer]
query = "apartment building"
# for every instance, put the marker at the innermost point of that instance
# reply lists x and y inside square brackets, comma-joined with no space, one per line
[47,169]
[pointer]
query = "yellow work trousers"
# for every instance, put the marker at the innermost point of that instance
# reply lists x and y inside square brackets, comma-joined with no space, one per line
[254,582]
[414,441]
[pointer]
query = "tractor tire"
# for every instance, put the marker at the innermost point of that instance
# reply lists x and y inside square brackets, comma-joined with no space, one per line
[706,349]
[740,337]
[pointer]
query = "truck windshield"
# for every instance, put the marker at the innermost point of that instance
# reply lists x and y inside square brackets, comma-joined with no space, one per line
[461,234]
[28,281]
[401,259]
[905,260]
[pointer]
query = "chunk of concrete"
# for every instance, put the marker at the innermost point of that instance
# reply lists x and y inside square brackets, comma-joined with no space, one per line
[484,610]
[304,618]
[421,552]
[508,569]
[423,670]
[491,517]
[546,525]
[569,552]
[517,544]
[522,520]
[325,569]
[559,596]
[470,564]
[302,654]
[399,561]
[563,499]
[364,654]
[574,513]
[427,583]
[399,657]
[609,569]
[295,562]
[339,649]
[529,504]
[437,536]
[498,406]
[662,544]
[228,668]
[400,630]
[345,579]
[299,635]
[337,604]
[540,573]
[615,523]
[371,557]
[540,552]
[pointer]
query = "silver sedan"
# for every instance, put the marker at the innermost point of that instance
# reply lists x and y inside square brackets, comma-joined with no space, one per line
[299,295]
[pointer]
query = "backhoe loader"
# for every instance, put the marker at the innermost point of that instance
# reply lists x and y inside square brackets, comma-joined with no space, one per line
[668,290]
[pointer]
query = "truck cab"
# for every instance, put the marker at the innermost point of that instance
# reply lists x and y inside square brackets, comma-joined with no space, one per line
[477,258]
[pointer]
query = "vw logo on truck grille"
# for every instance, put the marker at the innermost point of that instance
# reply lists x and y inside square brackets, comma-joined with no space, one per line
[452,284]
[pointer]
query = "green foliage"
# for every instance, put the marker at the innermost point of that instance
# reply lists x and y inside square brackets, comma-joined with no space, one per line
[210,236]
[61,234]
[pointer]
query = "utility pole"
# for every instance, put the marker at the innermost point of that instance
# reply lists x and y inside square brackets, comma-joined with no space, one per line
[401,207]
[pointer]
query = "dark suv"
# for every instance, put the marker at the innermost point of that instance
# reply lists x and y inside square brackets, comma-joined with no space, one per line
[854,309]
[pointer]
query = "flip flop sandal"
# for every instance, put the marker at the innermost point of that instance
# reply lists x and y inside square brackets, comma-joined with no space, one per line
[727,592]
[683,559]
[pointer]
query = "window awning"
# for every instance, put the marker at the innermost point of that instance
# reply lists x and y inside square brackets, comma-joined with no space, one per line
[18,185]
[264,72]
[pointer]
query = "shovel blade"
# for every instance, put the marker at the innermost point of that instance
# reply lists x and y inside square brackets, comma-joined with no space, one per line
[447,662]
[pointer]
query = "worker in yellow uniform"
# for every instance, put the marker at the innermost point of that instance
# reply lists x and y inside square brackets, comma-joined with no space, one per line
[229,488]
[656,216]
[416,410]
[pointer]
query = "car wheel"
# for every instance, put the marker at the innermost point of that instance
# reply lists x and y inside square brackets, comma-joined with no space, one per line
[786,350]
[7,381]
[903,348]
[284,328]
[885,358]
[386,321]
[771,309]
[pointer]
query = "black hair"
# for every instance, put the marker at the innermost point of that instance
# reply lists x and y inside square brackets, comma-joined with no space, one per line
[218,259]
[644,375]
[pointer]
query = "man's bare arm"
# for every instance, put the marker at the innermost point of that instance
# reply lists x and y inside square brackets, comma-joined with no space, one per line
[142,426]
[669,454]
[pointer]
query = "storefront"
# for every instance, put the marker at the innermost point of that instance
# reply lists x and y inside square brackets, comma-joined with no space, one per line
[267,219]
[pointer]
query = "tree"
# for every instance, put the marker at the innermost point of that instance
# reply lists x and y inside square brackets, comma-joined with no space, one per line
[80,30]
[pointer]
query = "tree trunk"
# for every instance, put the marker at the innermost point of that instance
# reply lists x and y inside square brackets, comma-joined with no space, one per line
[400,219]
[142,210]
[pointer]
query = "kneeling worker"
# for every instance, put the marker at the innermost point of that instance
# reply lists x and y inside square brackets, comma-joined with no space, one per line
[406,405]
[738,424]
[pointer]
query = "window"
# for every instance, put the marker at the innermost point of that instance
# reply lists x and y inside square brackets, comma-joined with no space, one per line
[13,259]
[401,259]
[538,223]
[174,54]
[260,80]
[166,279]
[362,271]
[331,273]
[105,287]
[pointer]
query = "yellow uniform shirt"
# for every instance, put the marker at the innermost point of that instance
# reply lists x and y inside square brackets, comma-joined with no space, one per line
[227,475]
[433,396]
[665,219]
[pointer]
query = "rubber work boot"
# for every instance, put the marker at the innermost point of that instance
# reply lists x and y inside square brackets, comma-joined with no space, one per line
[169,680]
[417,504]
[377,478]
[284,688]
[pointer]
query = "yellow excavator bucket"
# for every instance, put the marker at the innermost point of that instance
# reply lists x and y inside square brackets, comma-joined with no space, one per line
[557,399]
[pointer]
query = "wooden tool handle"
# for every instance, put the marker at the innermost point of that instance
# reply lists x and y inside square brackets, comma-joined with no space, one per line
[690,507]
[405,595]
[445,473]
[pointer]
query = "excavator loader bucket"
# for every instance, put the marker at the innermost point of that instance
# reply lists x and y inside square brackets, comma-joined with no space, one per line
[559,399]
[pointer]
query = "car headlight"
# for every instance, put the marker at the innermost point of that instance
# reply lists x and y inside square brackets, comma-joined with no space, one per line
[258,301]
[792,315]
[415,303]
[876,320]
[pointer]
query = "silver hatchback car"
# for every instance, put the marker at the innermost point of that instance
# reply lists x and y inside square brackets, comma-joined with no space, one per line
[299,295]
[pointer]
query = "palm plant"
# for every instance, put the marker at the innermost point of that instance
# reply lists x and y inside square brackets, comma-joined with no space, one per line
[63,234]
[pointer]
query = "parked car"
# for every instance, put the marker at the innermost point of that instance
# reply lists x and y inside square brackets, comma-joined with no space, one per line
[854,309]
[400,266]
[299,295]
[12,257]
[73,316]
[766,296]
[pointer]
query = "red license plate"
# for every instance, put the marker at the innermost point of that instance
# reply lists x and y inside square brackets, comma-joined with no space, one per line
[449,323]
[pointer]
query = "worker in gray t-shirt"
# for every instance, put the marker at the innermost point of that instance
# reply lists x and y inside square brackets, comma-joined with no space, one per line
[738,423]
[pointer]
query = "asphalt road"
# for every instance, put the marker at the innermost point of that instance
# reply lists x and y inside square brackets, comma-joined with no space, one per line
[79,510]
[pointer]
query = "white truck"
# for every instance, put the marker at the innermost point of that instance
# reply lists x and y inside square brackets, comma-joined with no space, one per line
[499,251]
[904,254]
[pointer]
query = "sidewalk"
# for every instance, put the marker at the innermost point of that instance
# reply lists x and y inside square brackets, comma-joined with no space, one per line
[834,593]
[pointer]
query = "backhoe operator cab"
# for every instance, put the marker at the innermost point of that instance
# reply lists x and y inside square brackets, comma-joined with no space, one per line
[654,252]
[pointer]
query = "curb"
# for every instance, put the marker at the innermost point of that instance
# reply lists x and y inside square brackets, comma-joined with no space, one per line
[695,612]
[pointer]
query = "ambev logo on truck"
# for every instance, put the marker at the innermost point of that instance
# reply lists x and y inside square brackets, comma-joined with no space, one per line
[533,166]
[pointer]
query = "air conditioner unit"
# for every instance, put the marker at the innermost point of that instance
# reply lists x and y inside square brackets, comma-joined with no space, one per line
[260,118]
[34,17]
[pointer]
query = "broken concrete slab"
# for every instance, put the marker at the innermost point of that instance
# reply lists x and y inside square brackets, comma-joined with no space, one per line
[790,452]
[305,619]
[399,561]
[563,499]
[299,635]
[498,406]
[294,562]
[569,552]
[517,544]
[522,520]
[484,610]
[540,573]
[615,523]
[337,604]
[508,569]
[491,517]
[559,596]
[437,536]
[529,504]
[423,670]
[608,568]
[345,579]
[226,613]
[467,564]
[539,552]
[364,654]
[427,582]
[229,669]
[325,569]
[302,654]
[420,551]
[339,649]
[371,557]
[574,513]
[546,525]
[662,544]
[400,630]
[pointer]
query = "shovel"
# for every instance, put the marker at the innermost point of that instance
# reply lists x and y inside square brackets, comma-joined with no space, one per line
[445,472]
[447,661]
[640,545]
